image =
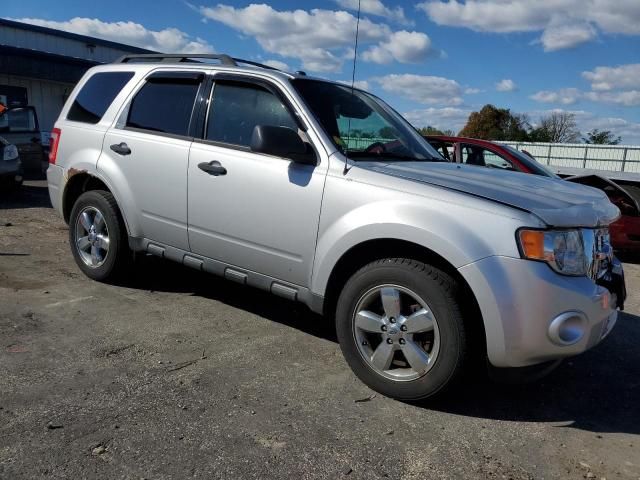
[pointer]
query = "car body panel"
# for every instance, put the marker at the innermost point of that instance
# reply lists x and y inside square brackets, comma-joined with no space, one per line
[283,226]
[624,231]
[556,203]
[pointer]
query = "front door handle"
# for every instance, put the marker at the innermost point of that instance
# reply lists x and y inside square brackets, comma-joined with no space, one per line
[212,168]
[121,148]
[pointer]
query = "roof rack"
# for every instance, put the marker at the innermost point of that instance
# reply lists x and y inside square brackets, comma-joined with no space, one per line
[188,57]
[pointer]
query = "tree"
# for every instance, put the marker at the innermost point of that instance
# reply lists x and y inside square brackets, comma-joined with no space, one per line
[387,132]
[558,127]
[429,130]
[492,123]
[604,137]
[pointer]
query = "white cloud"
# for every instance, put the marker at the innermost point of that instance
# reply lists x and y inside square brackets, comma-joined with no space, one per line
[564,23]
[422,88]
[609,78]
[403,46]
[558,36]
[376,7]
[447,118]
[627,98]
[506,85]
[472,91]
[569,96]
[169,40]
[564,96]
[321,39]
[278,64]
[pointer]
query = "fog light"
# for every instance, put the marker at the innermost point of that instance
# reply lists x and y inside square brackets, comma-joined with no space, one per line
[568,328]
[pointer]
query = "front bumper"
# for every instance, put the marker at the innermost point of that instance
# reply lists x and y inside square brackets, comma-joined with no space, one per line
[521,299]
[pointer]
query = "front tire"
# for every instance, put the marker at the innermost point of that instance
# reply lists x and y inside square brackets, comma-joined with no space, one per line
[401,328]
[97,236]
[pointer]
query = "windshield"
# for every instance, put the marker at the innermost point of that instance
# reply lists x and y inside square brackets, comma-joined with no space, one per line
[21,119]
[531,162]
[363,126]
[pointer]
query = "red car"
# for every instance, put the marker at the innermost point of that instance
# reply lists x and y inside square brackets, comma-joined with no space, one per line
[625,232]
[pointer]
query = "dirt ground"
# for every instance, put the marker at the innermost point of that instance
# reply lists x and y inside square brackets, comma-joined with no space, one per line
[176,374]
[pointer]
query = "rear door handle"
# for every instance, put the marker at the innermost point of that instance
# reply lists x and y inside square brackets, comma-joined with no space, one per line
[121,148]
[212,168]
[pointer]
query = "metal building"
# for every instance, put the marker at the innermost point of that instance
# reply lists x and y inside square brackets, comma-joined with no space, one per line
[39,67]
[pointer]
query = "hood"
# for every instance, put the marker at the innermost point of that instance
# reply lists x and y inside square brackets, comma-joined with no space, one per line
[555,202]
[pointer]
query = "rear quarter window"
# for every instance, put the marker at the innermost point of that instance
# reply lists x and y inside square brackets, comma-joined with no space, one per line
[96,95]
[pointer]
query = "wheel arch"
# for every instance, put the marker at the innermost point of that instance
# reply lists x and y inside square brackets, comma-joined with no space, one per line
[371,250]
[79,182]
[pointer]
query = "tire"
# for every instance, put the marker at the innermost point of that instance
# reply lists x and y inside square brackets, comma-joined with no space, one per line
[421,289]
[109,262]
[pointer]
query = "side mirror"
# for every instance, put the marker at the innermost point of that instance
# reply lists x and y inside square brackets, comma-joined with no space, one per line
[281,142]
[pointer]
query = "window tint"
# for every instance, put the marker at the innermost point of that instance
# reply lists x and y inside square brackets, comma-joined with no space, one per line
[238,107]
[164,105]
[96,95]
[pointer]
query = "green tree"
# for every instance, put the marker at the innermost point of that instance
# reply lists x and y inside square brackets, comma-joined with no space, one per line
[601,137]
[429,130]
[492,123]
[387,132]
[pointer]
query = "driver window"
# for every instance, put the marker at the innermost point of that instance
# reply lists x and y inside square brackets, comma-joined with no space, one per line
[238,107]
[483,157]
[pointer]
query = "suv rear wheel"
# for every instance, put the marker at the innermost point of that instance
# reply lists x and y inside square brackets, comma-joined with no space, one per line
[97,235]
[401,329]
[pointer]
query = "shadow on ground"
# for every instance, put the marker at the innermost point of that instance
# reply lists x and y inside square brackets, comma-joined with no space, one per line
[597,391]
[32,194]
[154,274]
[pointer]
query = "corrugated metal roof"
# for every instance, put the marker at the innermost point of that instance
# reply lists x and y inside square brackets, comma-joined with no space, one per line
[72,36]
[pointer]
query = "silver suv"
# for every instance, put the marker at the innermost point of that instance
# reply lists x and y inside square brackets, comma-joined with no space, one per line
[323,194]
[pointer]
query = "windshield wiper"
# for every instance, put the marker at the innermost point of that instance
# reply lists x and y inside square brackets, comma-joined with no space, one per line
[355,154]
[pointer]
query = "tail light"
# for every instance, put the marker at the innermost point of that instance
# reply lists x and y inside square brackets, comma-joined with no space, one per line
[53,145]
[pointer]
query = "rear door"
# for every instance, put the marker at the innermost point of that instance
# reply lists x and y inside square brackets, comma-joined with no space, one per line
[149,152]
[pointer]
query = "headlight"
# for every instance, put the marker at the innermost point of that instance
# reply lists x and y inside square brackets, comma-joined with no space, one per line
[563,250]
[10,152]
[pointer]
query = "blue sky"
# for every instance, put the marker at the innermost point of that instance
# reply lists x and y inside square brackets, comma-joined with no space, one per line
[433,60]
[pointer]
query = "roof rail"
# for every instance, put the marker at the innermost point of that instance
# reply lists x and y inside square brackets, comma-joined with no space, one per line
[187,57]
[176,58]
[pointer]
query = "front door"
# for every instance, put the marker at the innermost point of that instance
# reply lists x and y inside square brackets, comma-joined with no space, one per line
[261,214]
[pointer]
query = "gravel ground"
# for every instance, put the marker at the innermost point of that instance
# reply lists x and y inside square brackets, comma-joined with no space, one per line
[176,374]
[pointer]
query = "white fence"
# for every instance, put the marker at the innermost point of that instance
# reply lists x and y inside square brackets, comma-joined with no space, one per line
[613,158]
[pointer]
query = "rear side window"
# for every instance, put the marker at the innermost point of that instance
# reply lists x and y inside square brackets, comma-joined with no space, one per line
[96,95]
[164,105]
[239,107]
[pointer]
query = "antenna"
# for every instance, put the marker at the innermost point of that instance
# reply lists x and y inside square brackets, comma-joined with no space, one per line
[353,80]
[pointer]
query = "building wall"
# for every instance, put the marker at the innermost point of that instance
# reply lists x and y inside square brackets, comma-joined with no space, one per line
[47,97]
[49,62]
[44,42]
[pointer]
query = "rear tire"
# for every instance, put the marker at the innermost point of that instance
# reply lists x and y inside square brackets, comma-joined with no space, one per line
[408,345]
[97,236]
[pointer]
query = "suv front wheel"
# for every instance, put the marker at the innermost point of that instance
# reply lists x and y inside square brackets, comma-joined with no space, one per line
[97,235]
[401,329]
